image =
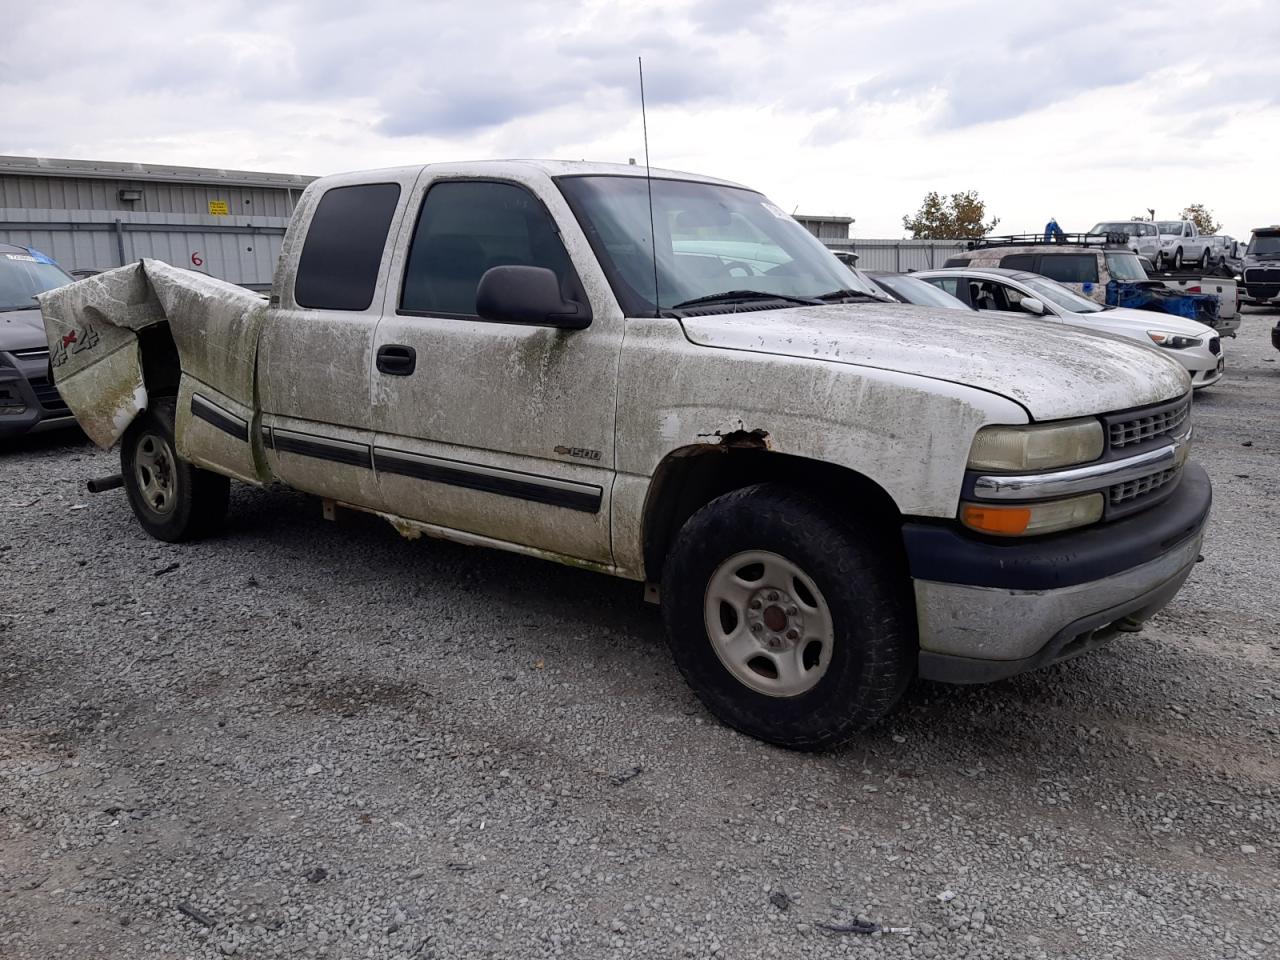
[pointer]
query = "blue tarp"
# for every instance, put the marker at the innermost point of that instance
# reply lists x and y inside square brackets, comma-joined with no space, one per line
[1201,307]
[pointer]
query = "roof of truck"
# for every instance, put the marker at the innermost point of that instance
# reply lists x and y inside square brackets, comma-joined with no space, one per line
[552,168]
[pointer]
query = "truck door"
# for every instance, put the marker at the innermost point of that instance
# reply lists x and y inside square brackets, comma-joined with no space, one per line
[316,351]
[1148,241]
[501,430]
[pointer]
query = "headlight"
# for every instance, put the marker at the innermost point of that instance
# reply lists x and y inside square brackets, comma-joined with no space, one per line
[1037,446]
[1172,340]
[1029,519]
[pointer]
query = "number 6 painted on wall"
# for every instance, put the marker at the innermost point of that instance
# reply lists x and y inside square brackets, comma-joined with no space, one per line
[196,261]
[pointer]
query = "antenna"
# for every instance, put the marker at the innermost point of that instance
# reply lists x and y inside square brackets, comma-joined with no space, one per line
[648,180]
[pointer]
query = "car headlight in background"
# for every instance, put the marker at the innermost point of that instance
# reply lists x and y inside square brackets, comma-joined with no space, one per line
[1172,340]
[1037,446]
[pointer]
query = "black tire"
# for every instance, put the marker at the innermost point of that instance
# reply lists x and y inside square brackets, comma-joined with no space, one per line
[859,576]
[1177,260]
[1204,259]
[172,499]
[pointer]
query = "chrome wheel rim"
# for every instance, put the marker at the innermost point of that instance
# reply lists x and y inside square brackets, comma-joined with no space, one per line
[768,623]
[153,467]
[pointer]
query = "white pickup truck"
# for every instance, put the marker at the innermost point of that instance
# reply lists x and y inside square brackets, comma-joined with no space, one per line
[828,494]
[1182,242]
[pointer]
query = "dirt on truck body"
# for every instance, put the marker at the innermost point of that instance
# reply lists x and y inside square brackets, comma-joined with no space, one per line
[828,494]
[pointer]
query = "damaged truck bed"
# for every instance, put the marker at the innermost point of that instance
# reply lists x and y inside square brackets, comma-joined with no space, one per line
[150,326]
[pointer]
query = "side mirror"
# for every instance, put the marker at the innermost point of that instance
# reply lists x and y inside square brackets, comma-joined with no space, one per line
[529,295]
[1032,305]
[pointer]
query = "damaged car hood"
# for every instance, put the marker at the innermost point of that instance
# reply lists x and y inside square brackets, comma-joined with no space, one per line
[1051,371]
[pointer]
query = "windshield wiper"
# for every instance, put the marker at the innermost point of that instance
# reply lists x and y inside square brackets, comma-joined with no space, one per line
[835,296]
[730,296]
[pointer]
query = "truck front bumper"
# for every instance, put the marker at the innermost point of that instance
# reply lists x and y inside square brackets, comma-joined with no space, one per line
[991,609]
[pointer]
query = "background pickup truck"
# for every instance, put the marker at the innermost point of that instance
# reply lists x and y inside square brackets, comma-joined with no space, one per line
[1181,242]
[1225,289]
[669,381]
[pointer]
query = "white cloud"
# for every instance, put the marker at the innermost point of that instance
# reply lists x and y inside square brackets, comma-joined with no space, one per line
[1085,110]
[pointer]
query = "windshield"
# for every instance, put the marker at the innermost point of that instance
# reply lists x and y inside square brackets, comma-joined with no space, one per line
[1262,244]
[23,275]
[711,239]
[915,290]
[1125,267]
[1128,229]
[1056,293]
[1167,227]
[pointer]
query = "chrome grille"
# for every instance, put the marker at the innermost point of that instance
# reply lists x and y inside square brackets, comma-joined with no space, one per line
[1124,492]
[33,353]
[1140,429]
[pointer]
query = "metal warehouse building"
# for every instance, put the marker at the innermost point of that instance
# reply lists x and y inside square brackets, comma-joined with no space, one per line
[94,215]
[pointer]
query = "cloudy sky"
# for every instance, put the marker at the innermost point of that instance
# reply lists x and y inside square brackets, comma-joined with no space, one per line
[1078,109]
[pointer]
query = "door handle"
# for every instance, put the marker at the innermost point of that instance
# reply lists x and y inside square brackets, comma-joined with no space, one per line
[397,360]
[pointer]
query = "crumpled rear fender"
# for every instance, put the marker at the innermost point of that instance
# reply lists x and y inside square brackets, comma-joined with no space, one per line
[93,328]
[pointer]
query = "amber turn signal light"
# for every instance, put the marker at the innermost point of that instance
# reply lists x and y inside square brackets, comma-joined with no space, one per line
[1006,521]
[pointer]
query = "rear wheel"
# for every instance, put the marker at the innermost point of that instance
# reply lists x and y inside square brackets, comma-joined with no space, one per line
[790,623]
[172,499]
[1204,259]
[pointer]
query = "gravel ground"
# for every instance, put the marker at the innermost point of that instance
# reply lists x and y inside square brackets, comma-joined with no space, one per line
[313,739]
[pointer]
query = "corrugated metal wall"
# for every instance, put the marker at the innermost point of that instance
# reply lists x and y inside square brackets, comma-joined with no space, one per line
[83,193]
[243,250]
[899,256]
[82,222]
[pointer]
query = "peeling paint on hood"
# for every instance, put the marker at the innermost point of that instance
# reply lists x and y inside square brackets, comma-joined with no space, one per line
[1054,372]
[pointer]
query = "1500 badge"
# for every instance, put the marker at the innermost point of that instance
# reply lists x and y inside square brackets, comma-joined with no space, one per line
[582,453]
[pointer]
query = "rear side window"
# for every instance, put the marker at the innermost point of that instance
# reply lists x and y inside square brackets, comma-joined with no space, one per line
[1070,267]
[957,262]
[950,285]
[468,226]
[1019,261]
[338,268]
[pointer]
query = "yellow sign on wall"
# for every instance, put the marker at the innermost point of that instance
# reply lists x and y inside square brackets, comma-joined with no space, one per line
[219,208]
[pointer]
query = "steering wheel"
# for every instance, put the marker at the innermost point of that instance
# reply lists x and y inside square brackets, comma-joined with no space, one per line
[731,265]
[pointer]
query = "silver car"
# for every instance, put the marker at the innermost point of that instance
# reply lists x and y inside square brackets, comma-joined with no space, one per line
[1197,347]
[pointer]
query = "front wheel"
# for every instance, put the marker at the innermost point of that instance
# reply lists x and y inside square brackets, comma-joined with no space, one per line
[788,621]
[172,499]
[1177,259]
